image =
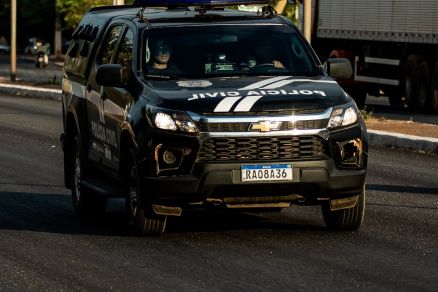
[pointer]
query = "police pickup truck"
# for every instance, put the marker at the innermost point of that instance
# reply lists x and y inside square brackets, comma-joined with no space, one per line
[178,104]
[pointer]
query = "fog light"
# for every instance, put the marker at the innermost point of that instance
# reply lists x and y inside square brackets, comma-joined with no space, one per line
[350,152]
[169,157]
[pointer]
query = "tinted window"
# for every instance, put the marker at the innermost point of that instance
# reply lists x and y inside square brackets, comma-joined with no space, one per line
[109,45]
[226,50]
[124,55]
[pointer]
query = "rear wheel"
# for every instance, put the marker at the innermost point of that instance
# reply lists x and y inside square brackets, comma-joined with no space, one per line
[85,203]
[142,218]
[434,89]
[345,219]
[416,85]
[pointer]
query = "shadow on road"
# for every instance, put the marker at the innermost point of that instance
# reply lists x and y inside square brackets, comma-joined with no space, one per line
[219,220]
[53,213]
[402,189]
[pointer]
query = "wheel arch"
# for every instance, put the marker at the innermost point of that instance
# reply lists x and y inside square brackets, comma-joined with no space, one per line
[72,128]
[127,142]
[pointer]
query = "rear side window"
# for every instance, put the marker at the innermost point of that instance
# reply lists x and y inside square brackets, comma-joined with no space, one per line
[83,39]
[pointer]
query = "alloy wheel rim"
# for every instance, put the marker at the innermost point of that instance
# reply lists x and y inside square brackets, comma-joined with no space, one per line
[435,91]
[77,178]
[408,88]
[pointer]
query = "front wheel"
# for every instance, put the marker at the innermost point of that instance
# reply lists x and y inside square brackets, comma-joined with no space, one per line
[142,217]
[345,219]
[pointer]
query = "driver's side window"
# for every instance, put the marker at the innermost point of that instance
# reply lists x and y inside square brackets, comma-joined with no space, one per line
[110,44]
[124,55]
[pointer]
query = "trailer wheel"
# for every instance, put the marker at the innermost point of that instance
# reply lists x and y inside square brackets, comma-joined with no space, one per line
[434,90]
[416,85]
[359,95]
[395,99]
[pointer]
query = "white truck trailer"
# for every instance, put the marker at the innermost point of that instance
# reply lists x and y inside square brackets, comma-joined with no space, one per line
[392,44]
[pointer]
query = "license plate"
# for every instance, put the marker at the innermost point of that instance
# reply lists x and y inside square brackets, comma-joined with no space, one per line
[266,172]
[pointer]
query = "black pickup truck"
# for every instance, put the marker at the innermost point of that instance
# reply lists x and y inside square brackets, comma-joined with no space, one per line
[186,105]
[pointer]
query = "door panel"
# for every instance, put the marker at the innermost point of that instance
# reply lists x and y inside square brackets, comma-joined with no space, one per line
[102,137]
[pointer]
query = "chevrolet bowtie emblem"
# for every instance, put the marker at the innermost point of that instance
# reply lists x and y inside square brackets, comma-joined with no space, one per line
[264,126]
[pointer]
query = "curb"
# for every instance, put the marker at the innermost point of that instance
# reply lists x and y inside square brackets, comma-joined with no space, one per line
[24,90]
[402,141]
[375,137]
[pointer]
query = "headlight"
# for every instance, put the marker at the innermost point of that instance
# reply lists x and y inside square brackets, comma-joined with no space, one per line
[164,121]
[171,120]
[343,116]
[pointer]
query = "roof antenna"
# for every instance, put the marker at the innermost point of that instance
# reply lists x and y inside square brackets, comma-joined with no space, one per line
[268,10]
[140,14]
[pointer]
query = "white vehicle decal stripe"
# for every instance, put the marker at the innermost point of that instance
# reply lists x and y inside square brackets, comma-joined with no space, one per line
[286,82]
[264,82]
[226,103]
[246,104]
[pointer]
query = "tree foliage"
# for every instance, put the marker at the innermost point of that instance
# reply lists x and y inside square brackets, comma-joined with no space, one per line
[73,10]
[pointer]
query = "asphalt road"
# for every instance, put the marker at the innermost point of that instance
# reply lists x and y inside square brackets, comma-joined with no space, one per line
[44,247]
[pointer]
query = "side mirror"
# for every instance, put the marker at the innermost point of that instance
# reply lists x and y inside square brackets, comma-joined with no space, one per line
[339,68]
[109,75]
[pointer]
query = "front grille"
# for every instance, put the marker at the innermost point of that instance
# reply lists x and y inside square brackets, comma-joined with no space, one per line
[222,127]
[262,148]
[304,125]
[243,127]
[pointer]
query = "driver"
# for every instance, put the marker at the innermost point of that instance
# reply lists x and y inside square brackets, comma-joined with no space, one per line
[266,54]
[159,65]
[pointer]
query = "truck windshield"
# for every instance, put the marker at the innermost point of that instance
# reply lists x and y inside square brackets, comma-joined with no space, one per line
[225,50]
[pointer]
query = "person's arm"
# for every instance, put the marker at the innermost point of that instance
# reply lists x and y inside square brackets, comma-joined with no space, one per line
[277,64]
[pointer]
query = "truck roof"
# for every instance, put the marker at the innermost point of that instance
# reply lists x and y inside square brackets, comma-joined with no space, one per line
[174,15]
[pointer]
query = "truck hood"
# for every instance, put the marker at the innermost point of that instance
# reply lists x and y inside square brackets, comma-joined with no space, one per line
[245,94]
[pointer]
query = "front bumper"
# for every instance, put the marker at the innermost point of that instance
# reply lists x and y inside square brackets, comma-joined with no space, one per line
[340,173]
[311,179]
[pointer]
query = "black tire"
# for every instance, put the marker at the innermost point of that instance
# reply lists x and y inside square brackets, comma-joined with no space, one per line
[345,219]
[395,100]
[434,90]
[395,97]
[85,203]
[416,83]
[142,218]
